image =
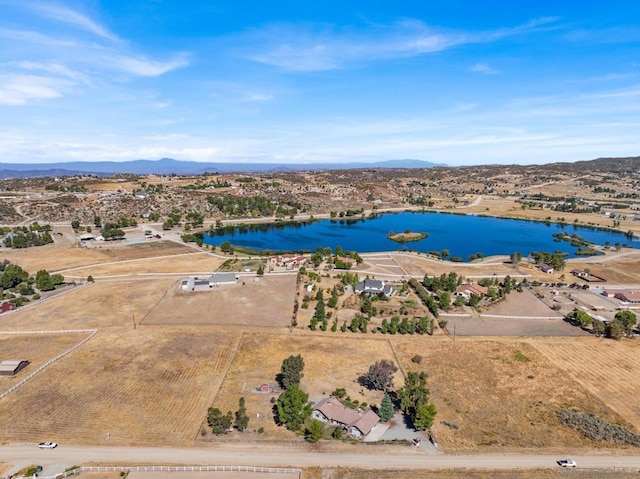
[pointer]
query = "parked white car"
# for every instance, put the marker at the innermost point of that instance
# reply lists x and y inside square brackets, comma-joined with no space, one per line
[47,445]
[567,463]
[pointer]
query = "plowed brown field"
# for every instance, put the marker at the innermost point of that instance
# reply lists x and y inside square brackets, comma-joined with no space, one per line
[143,387]
[609,370]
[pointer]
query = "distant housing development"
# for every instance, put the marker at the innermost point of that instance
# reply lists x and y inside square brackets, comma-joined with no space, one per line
[354,421]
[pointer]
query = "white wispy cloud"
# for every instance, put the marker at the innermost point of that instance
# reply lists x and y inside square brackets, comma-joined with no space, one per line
[22,89]
[140,66]
[321,47]
[483,68]
[50,62]
[64,14]
[53,68]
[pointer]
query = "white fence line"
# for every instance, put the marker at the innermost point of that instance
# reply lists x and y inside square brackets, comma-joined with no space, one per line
[258,469]
[511,316]
[43,300]
[51,361]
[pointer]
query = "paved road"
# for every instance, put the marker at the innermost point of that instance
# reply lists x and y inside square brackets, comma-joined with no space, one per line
[267,455]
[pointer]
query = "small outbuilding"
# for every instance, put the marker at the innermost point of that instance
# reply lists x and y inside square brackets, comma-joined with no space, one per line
[11,367]
[6,306]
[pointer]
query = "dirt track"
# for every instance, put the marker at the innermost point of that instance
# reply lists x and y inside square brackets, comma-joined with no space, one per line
[278,456]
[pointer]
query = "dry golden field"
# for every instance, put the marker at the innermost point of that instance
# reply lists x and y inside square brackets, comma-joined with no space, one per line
[35,348]
[186,263]
[330,362]
[113,304]
[252,301]
[152,384]
[502,394]
[625,269]
[54,259]
[468,474]
[148,386]
[606,369]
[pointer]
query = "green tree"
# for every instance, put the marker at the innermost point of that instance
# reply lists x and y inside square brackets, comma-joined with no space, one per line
[320,313]
[444,300]
[386,409]
[291,371]
[12,276]
[581,317]
[425,416]
[43,280]
[242,419]
[627,320]
[314,430]
[293,408]
[220,424]
[516,257]
[75,224]
[260,271]
[414,400]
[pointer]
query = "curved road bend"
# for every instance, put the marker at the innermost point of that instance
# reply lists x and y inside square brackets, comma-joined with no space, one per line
[261,455]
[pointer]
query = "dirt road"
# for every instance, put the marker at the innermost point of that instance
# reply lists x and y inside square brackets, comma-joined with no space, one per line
[267,455]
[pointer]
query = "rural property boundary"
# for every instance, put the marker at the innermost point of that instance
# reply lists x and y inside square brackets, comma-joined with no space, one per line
[51,361]
[256,469]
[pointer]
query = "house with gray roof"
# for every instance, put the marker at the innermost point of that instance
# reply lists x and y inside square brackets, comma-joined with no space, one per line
[373,287]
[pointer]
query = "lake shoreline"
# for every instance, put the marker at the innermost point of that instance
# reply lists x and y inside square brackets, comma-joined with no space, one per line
[467,236]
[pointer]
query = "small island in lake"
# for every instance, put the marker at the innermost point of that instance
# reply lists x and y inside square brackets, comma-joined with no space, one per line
[407,236]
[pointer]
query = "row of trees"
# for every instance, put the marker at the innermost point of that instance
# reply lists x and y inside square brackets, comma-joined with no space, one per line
[26,237]
[622,324]
[222,423]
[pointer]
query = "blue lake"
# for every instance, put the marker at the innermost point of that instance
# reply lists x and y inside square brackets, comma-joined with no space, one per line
[462,235]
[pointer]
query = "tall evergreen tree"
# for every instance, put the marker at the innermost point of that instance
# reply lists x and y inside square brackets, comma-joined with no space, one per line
[386,408]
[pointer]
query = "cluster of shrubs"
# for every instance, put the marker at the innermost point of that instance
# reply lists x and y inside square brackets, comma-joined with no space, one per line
[597,429]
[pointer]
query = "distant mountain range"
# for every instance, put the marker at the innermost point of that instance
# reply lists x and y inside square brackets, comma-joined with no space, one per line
[167,166]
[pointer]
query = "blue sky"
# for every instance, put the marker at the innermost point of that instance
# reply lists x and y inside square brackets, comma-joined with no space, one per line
[457,81]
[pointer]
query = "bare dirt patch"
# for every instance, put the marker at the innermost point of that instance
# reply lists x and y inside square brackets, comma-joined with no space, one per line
[500,393]
[266,301]
[418,265]
[524,304]
[519,314]
[144,387]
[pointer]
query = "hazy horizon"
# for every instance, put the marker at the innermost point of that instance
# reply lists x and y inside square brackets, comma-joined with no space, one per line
[459,83]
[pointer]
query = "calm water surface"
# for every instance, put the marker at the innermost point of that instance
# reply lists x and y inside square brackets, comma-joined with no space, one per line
[461,235]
